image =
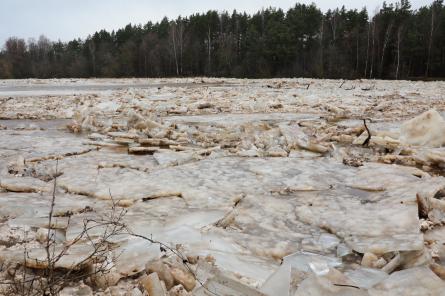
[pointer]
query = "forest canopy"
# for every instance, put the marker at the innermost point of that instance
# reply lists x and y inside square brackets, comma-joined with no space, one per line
[397,42]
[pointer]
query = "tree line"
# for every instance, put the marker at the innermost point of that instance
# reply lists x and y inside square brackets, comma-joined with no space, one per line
[397,42]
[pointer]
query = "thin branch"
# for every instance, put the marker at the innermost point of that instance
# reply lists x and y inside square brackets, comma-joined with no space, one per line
[366,142]
[50,241]
[347,286]
[176,253]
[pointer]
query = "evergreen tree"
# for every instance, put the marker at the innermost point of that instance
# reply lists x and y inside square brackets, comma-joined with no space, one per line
[396,43]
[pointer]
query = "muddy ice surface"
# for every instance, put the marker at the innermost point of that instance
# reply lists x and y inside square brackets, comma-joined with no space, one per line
[224,186]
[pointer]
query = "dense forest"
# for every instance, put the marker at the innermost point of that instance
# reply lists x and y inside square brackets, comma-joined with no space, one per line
[398,42]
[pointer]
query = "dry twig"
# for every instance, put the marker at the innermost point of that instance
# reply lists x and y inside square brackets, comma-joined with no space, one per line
[366,142]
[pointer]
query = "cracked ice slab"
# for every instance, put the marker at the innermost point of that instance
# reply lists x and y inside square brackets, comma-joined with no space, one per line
[38,144]
[372,220]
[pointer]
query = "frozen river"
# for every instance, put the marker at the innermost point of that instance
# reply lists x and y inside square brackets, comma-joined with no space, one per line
[266,183]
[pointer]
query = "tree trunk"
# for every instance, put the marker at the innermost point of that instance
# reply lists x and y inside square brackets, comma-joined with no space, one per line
[385,45]
[145,64]
[334,26]
[209,49]
[173,36]
[92,48]
[181,46]
[357,53]
[430,44]
[399,36]
[367,50]
[373,49]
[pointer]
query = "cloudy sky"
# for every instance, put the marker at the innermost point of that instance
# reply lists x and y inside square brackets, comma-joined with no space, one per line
[68,19]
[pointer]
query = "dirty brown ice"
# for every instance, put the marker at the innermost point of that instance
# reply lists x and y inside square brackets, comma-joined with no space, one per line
[222,187]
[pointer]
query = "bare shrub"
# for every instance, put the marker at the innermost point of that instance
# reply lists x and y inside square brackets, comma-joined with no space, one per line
[48,277]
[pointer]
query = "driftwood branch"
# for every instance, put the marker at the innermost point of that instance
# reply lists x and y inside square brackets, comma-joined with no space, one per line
[347,286]
[368,139]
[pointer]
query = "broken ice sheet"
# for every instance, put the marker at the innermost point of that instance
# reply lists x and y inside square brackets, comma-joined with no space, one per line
[165,158]
[333,283]
[328,241]
[24,184]
[255,269]
[306,262]
[220,284]
[56,222]
[310,262]
[379,222]
[215,241]
[41,144]
[386,229]
[266,226]
[279,283]
[77,256]
[366,277]
[296,138]
[128,256]
[410,282]
[16,205]
[343,250]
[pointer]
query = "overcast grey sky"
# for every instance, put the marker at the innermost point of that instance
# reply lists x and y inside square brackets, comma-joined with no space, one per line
[68,19]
